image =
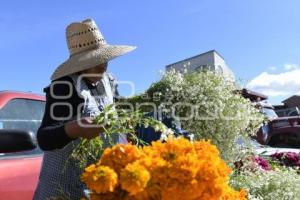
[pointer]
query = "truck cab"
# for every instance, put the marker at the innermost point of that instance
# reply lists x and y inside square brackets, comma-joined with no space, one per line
[283,132]
[21,114]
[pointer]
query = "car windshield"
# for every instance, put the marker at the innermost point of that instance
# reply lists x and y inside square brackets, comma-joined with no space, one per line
[270,113]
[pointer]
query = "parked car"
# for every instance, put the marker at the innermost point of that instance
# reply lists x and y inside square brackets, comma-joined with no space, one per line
[20,158]
[282,132]
[287,112]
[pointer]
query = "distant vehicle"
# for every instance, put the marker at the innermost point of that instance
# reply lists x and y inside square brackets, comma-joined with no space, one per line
[282,132]
[267,109]
[264,150]
[20,158]
[288,112]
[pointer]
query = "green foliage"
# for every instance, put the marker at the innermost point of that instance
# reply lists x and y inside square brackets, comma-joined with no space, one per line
[113,122]
[87,151]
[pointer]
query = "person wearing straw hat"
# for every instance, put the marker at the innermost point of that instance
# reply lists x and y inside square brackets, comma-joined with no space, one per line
[79,90]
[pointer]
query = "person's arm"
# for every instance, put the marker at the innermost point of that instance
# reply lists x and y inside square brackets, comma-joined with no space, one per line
[74,129]
[59,125]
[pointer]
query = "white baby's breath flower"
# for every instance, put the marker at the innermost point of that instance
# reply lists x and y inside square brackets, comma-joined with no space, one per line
[217,112]
[146,125]
[269,185]
[163,137]
[156,128]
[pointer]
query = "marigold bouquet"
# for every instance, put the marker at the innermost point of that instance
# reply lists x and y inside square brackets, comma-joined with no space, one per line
[177,169]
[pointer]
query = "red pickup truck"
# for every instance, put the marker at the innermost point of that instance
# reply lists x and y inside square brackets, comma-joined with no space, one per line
[20,116]
[282,132]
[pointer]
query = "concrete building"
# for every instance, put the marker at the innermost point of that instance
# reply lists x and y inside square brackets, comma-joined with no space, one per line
[210,60]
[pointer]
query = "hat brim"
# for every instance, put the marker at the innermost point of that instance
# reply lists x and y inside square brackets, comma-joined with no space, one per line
[90,59]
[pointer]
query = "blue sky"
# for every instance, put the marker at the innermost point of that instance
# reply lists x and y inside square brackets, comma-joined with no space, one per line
[259,39]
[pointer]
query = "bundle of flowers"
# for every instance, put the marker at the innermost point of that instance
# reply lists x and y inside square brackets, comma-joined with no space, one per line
[177,169]
[264,179]
[206,104]
[289,159]
[115,121]
[268,185]
[262,163]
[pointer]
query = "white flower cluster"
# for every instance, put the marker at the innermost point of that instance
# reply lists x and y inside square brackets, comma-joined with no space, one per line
[268,185]
[207,105]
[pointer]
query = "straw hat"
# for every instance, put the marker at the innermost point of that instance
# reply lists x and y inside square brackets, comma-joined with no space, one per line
[87,48]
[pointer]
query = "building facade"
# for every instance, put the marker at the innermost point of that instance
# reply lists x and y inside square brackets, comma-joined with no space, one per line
[210,60]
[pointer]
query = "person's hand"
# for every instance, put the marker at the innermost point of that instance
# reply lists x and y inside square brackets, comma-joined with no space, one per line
[84,127]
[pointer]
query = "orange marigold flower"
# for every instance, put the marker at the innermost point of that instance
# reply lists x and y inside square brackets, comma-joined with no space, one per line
[170,150]
[119,156]
[231,194]
[175,170]
[115,195]
[134,178]
[100,179]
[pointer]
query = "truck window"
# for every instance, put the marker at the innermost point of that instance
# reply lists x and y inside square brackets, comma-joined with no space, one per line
[22,114]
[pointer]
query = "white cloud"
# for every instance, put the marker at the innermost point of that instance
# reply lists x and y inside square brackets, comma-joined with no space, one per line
[272,68]
[289,67]
[281,84]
